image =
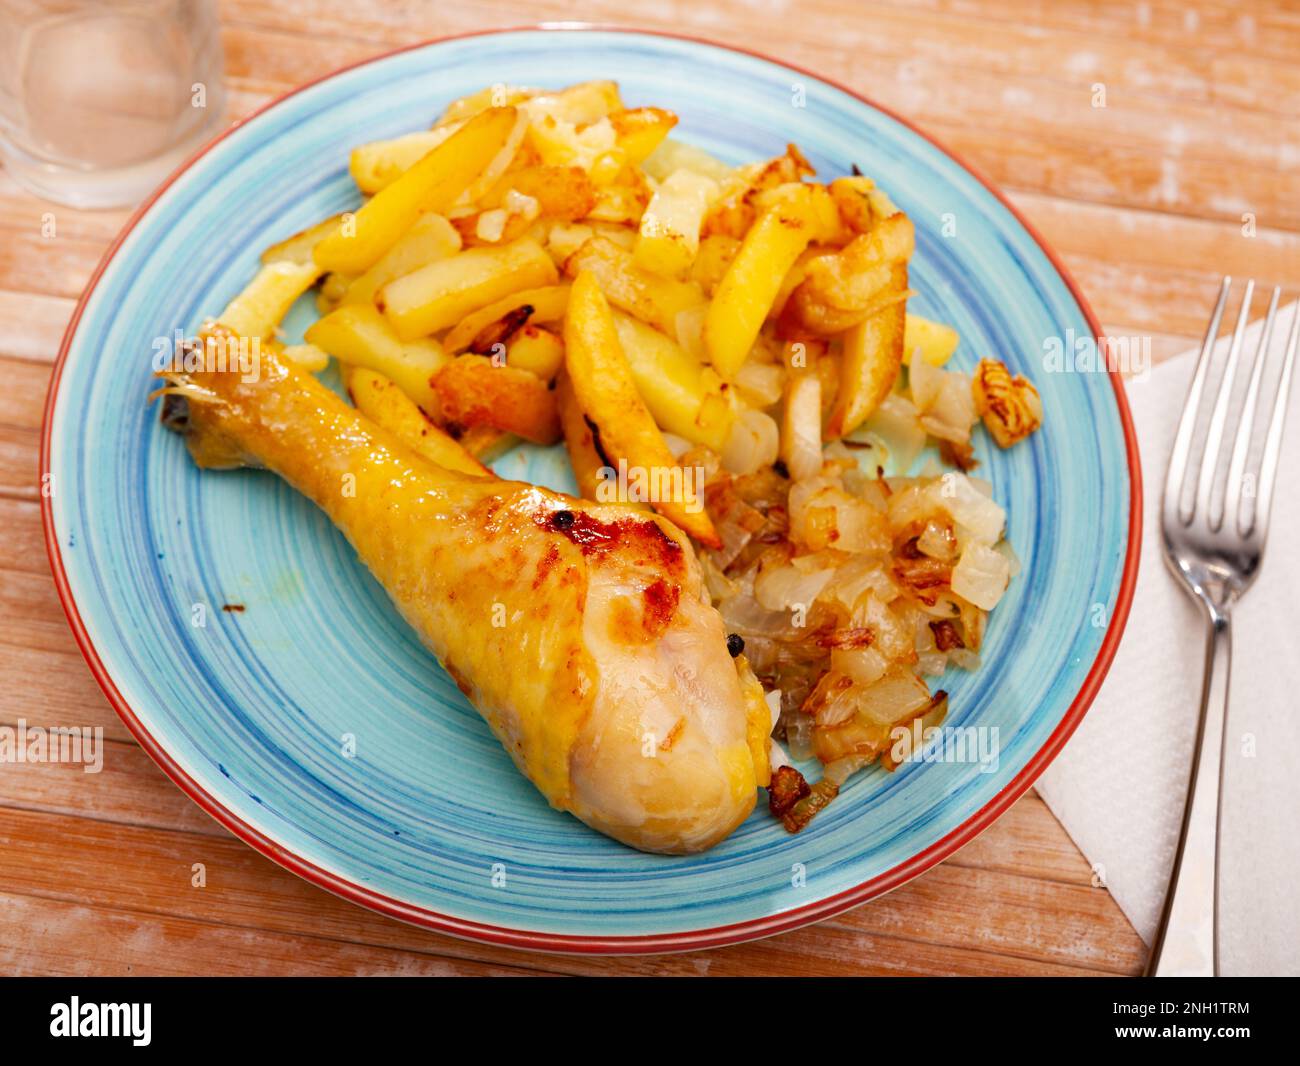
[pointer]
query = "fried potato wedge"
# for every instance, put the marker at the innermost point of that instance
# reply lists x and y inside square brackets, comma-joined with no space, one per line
[678,155]
[672,382]
[382,401]
[581,104]
[433,183]
[306,357]
[606,390]
[712,259]
[842,288]
[264,301]
[579,441]
[748,289]
[486,443]
[735,212]
[473,392]
[377,165]
[537,350]
[873,353]
[640,130]
[565,193]
[359,335]
[669,233]
[430,238]
[545,304]
[442,293]
[466,107]
[298,248]
[934,340]
[649,297]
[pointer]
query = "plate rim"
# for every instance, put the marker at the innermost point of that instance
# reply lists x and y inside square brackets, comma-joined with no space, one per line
[570,943]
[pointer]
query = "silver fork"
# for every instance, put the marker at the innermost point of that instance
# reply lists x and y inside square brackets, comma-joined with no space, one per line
[1216,555]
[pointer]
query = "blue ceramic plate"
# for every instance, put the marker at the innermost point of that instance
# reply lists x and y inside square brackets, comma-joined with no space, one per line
[428,820]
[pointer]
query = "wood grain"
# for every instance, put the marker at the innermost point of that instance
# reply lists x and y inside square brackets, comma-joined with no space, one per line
[1191,169]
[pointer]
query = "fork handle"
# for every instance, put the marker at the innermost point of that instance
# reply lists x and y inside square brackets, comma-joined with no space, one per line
[1186,943]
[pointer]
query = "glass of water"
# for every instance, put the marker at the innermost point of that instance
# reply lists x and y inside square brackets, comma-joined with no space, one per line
[101,99]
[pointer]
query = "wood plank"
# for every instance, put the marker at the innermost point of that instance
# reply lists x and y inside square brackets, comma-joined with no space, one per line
[32,325]
[149,871]
[1008,914]
[79,941]
[51,266]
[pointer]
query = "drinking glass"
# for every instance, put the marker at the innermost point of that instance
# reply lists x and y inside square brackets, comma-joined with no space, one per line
[101,99]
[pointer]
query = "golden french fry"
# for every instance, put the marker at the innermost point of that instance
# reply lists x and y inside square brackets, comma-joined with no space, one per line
[873,352]
[298,248]
[651,298]
[473,392]
[606,391]
[581,104]
[936,341]
[430,238]
[853,198]
[547,305]
[382,401]
[671,381]
[622,202]
[734,212]
[432,184]
[712,259]
[358,334]
[265,300]
[641,130]
[669,235]
[579,441]
[840,289]
[466,107]
[487,443]
[565,193]
[444,292]
[537,350]
[673,155]
[306,357]
[815,201]
[376,165]
[747,291]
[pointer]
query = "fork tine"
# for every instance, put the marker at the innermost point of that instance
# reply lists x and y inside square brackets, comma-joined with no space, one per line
[1276,423]
[1187,424]
[1245,430]
[1214,437]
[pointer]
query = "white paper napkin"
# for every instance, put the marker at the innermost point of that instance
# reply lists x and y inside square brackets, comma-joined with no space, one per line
[1120,784]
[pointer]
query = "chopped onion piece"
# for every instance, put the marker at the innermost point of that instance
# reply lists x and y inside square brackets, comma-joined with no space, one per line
[784,588]
[865,665]
[925,382]
[801,432]
[752,444]
[761,383]
[969,507]
[896,697]
[981,575]
[896,424]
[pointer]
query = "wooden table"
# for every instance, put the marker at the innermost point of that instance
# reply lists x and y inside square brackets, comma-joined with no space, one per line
[1144,199]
